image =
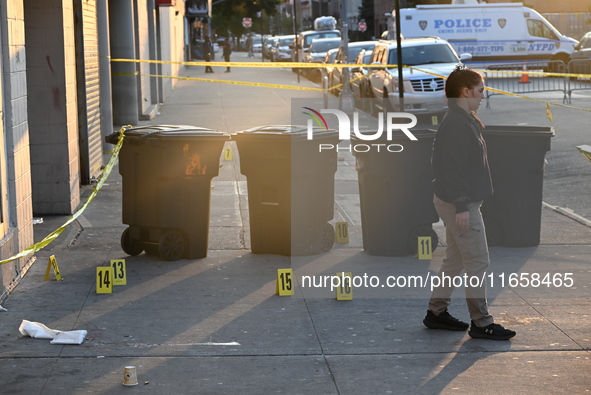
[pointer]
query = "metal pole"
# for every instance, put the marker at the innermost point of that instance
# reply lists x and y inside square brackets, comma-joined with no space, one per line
[399,53]
[325,90]
[346,100]
[297,11]
[262,41]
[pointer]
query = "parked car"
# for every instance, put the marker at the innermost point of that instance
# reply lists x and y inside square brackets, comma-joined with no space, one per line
[268,43]
[281,51]
[329,61]
[317,52]
[354,50]
[257,44]
[301,43]
[581,58]
[423,92]
[359,83]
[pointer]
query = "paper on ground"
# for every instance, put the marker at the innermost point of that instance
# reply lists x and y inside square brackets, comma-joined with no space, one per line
[39,331]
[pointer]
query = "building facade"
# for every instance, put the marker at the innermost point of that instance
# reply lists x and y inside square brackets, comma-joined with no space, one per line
[62,91]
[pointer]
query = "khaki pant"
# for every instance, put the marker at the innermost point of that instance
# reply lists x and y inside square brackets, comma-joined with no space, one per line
[466,251]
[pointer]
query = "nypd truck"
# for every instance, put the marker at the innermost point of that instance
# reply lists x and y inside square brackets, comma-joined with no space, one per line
[492,33]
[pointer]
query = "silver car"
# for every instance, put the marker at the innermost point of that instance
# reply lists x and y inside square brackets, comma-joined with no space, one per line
[317,52]
[281,50]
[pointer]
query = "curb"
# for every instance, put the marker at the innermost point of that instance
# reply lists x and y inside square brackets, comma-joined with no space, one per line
[567,212]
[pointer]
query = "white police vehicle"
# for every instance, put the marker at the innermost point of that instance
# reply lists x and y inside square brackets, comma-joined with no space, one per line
[492,33]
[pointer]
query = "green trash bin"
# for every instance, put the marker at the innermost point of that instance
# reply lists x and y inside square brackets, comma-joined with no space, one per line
[290,188]
[516,156]
[166,173]
[396,193]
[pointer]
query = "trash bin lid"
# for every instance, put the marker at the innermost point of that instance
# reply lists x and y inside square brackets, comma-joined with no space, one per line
[184,132]
[274,132]
[519,131]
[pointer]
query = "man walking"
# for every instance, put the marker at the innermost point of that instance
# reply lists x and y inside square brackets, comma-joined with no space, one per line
[227,52]
[207,52]
[462,182]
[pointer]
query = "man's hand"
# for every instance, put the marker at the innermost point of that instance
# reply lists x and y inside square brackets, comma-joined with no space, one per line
[463,221]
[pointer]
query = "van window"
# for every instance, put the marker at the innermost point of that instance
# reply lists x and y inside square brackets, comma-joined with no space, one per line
[538,28]
[308,39]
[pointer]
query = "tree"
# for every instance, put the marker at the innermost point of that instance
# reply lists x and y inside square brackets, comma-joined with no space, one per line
[228,14]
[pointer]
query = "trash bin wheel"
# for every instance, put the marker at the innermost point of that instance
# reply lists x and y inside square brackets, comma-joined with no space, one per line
[171,245]
[327,237]
[422,231]
[130,246]
[494,232]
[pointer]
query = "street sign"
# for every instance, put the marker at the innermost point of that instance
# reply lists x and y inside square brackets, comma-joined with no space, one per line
[362,26]
[246,22]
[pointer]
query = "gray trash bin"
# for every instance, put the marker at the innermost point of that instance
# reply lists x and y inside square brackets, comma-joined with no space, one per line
[516,156]
[167,172]
[290,188]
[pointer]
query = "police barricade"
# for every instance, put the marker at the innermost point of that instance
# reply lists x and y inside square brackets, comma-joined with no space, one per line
[579,82]
[527,77]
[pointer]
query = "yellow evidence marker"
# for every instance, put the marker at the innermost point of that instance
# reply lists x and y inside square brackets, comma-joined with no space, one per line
[104,280]
[228,153]
[119,271]
[425,247]
[285,282]
[344,291]
[52,264]
[341,232]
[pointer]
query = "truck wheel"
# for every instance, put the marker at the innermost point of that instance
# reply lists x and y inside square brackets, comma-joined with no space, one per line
[171,245]
[130,247]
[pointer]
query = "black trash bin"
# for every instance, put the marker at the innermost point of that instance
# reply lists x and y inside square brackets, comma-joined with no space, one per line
[396,192]
[166,172]
[516,156]
[290,188]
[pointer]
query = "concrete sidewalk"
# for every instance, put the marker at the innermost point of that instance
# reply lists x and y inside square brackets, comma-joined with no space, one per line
[216,326]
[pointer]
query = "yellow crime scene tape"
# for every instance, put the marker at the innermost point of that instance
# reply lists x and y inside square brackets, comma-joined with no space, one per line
[295,65]
[54,235]
[259,84]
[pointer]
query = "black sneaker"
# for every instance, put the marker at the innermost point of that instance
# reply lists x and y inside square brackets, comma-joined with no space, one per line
[492,332]
[444,321]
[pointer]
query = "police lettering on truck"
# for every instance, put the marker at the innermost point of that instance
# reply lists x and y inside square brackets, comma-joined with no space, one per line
[492,33]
